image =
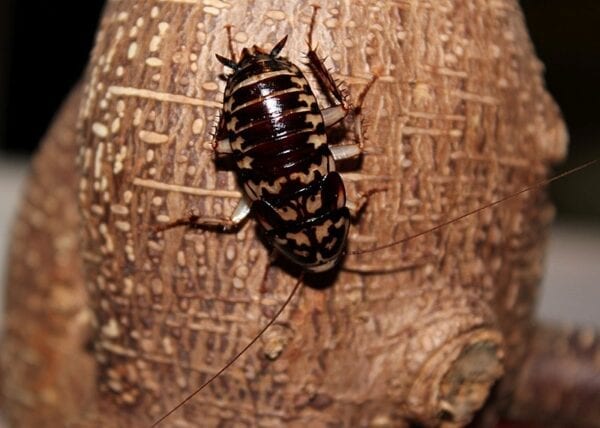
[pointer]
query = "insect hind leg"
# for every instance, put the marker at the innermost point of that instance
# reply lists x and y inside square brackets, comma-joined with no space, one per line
[324,78]
[341,107]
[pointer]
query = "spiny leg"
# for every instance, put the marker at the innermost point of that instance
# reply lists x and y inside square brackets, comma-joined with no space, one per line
[336,113]
[242,210]
[340,108]
[229,62]
[324,78]
[357,113]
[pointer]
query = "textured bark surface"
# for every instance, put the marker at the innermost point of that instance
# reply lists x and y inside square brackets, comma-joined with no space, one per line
[459,117]
[45,373]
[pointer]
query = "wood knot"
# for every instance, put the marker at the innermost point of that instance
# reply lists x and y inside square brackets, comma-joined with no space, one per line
[275,340]
[455,382]
[465,387]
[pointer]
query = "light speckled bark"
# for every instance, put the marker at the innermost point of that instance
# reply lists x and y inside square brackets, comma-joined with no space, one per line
[459,117]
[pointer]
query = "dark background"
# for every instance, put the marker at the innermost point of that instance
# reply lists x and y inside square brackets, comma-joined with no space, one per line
[44,47]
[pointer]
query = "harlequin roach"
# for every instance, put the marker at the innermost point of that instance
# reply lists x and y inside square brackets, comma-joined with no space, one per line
[275,131]
[273,128]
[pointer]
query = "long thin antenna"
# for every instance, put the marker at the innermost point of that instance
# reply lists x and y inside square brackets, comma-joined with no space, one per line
[230,43]
[475,211]
[238,355]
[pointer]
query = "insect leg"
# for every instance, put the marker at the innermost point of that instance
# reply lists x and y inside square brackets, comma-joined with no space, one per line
[345,151]
[242,210]
[355,206]
[324,78]
[222,147]
[334,114]
[356,112]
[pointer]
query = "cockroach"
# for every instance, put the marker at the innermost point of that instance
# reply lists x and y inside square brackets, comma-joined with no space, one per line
[273,128]
[275,131]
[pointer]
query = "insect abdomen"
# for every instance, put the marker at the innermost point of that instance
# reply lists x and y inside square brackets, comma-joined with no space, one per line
[278,139]
[274,126]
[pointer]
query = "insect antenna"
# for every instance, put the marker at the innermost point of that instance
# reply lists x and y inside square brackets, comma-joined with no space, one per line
[230,43]
[238,355]
[477,210]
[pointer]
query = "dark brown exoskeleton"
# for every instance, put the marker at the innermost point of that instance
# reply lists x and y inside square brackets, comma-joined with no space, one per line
[274,128]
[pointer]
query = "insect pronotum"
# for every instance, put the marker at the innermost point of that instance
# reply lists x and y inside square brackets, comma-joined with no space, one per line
[275,131]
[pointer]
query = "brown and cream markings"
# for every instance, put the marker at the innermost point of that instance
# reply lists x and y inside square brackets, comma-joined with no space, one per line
[272,126]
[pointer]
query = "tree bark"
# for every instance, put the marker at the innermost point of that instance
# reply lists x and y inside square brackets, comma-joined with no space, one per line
[418,332]
[45,374]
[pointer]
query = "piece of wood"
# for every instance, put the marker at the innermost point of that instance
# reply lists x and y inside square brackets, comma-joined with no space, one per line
[45,373]
[418,332]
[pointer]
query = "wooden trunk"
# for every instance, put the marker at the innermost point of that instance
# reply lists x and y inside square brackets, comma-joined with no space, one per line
[459,117]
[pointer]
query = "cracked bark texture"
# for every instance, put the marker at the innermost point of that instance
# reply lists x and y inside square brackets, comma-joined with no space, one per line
[418,332]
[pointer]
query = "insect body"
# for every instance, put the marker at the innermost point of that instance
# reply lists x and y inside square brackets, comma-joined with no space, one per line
[276,134]
[274,128]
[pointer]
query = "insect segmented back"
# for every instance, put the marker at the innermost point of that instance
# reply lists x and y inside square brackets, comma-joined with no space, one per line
[274,129]
[276,133]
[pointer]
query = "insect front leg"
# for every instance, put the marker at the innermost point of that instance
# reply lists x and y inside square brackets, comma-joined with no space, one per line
[340,106]
[324,78]
[192,220]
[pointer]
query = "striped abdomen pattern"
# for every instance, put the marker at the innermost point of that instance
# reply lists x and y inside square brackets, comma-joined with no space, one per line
[277,136]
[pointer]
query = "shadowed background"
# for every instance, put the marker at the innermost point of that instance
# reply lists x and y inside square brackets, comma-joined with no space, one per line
[44,47]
